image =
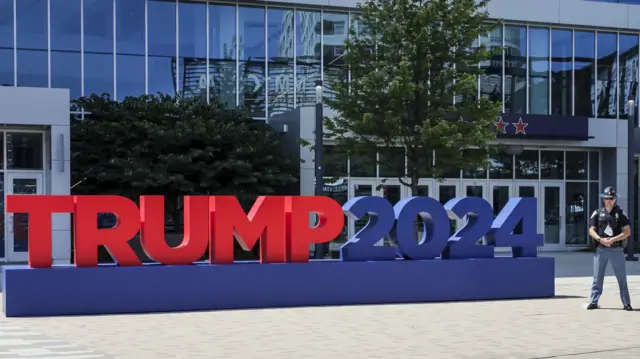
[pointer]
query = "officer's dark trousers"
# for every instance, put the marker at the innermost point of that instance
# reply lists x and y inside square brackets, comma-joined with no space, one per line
[603,256]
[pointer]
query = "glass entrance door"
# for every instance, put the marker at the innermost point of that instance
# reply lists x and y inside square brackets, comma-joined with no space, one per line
[17,224]
[552,208]
[426,188]
[527,189]
[474,189]
[499,193]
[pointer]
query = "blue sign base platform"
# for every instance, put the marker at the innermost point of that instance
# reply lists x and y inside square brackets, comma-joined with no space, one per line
[66,290]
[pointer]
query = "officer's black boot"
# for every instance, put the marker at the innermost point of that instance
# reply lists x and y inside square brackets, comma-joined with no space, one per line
[592,306]
[628,308]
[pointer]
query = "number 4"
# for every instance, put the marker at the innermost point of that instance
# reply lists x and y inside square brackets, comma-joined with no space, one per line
[523,244]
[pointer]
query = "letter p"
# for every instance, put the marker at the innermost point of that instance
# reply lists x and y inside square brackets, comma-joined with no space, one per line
[300,234]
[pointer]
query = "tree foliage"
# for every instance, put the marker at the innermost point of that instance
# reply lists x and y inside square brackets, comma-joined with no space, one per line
[408,60]
[174,147]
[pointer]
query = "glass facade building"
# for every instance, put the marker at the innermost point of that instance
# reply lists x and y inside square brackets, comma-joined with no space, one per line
[263,58]
[268,58]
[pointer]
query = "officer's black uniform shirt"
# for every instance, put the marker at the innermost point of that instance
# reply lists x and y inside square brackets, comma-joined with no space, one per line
[616,219]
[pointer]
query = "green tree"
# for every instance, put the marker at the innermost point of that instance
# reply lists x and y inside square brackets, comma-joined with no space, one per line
[174,147]
[408,60]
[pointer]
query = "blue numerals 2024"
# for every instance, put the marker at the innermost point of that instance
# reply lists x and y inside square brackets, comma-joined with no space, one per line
[398,223]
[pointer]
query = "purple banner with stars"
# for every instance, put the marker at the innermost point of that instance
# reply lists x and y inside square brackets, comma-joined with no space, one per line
[553,127]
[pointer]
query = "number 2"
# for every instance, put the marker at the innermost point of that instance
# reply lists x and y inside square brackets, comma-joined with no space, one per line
[381,219]
[462,244]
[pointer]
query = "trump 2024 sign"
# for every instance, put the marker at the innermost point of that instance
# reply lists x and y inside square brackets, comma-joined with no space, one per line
[439,266]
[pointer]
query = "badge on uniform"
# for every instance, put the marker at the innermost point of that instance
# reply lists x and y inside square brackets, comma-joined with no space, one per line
[608,231]
[616,216]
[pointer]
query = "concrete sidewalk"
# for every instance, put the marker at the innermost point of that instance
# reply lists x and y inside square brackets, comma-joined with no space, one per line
[549,328]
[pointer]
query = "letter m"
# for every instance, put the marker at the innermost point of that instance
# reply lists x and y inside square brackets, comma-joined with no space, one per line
[265,223]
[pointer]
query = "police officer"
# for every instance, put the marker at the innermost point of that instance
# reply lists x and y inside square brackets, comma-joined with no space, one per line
[609,227]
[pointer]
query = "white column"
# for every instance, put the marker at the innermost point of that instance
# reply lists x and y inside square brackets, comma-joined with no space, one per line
[60,177]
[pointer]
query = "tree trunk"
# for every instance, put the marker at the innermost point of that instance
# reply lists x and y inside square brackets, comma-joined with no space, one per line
[172,208]
[414,184]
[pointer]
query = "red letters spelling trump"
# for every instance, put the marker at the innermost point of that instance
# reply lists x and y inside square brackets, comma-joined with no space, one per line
[281,225]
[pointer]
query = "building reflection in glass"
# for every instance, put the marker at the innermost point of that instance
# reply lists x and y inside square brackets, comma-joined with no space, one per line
[268,59]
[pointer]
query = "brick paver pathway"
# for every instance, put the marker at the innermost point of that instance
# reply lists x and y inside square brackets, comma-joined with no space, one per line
[548,328]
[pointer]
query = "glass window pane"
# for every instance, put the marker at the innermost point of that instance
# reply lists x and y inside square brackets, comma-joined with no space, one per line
[65,25]
[66,72]
[334,163]
[594,196]
[594,165]
[6,24]
[425,166]
[161,18]
[446,169]
[251,31]
[21,220]
[308,25]
[280,60]
[607,67]
[491,80]
[6,43]
[222,53]
[527,165]
[6,67]
[422,191]
[31,24]
[130,27]
[334,32]
[362,166]
[561,76]
[391,162]
[98,74]
[1,167]
[130,48]
[551,215]
[130,78]
[539,71]
[515,82]
[577,163]
[161,78]
[501,166]
[628,72]
[98,26]
[193,48]
[552,165]
[576,216]
[32,68]
[477,172]
[584,61]
[24,151]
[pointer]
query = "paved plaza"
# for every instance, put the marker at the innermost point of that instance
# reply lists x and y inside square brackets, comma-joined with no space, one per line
[547,328]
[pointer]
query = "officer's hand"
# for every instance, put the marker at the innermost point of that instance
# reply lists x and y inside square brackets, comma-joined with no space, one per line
[606,242]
